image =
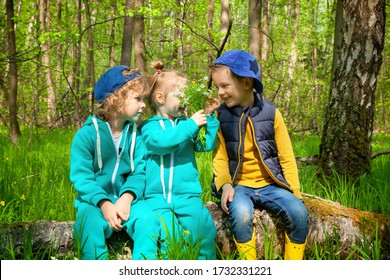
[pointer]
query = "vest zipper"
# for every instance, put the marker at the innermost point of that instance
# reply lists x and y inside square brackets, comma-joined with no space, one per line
[262,161]
[239,148]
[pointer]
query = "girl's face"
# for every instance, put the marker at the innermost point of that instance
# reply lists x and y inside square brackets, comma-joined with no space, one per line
[172,108]
[134,107]
[232,91]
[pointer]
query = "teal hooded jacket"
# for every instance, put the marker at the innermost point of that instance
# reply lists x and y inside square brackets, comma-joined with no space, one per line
[170,161]
[98,171]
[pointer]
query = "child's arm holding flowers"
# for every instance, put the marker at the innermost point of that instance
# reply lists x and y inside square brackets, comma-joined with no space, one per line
[198,98]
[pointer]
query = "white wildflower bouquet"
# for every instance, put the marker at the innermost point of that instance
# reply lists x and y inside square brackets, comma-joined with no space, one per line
[194,98]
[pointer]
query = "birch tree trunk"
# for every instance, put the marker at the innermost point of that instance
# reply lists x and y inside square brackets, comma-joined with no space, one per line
[225,16]
[358,45]
[44,15]
[293,56]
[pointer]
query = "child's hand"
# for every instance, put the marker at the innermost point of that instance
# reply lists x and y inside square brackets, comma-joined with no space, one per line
[211,105]
[227,196]
[199,118]
[123,205]
[110,213]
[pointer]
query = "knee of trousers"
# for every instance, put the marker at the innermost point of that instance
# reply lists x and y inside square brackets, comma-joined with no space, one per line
[300,218]
[89,217]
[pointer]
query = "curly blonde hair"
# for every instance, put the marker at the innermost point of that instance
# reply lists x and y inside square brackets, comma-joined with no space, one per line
[115,102]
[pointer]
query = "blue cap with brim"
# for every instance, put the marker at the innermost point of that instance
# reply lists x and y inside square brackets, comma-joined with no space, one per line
[242,64]
[111,80]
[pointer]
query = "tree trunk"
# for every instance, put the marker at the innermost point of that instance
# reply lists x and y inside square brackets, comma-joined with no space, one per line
[328,221]
[177,37]
[254,15]
[89,79]
[14,131]
[44,15]
[264,31]
[347,134]
[111,48]
[295,11]
[127,39]
[225,16]
[210,28]
[139,38]
[77,115]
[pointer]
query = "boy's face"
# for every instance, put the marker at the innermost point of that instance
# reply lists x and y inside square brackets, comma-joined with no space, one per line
[231,90]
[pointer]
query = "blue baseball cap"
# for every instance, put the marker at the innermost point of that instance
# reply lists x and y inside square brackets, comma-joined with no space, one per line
[242,64]
[111,80]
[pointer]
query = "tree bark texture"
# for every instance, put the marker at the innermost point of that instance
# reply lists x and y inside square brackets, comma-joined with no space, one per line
[210,28]
[89,79]
[13,74]
[225,16]
[359,42]
[139,39]
[254,17]
[127,39]
[329,221]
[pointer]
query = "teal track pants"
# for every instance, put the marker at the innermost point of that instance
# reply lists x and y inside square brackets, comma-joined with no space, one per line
[188,214]
[91,231]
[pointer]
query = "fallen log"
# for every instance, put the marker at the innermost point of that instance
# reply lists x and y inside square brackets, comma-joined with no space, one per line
[313,160]
[328,221]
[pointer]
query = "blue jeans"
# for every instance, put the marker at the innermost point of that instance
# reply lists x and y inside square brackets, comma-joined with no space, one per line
[273,198]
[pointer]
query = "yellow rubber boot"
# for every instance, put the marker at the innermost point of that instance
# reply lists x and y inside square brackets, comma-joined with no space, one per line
[293,251]
[247,250]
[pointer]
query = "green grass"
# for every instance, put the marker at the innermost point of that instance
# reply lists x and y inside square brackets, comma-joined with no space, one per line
[34,179]
[370,192]
[35,185]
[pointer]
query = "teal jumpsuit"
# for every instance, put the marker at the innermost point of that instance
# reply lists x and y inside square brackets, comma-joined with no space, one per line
[173,189]
[98,170]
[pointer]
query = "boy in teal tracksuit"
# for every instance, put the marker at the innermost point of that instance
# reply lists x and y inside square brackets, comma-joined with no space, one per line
[173,189]
[107,170]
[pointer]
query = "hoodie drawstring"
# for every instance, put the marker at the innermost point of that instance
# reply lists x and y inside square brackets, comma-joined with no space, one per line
[99,150]
[133,137]
[98,144]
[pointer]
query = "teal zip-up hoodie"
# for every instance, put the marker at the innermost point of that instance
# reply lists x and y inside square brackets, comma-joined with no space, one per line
[170,162]
[98,171]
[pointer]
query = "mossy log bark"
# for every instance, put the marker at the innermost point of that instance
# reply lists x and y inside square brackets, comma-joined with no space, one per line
[329,223]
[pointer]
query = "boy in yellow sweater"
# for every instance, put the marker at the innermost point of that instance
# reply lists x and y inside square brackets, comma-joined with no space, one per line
[254,164]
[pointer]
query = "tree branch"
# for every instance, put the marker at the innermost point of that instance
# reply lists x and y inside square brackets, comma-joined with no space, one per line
[377,154]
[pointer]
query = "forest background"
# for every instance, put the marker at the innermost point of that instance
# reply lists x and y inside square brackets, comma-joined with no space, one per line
[62,47]
[53,51]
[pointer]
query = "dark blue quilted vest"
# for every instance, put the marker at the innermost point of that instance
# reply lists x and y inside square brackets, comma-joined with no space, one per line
[262,116]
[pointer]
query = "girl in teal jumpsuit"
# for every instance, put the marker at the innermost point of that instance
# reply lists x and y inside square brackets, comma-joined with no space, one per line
[173,189]
[107,170]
